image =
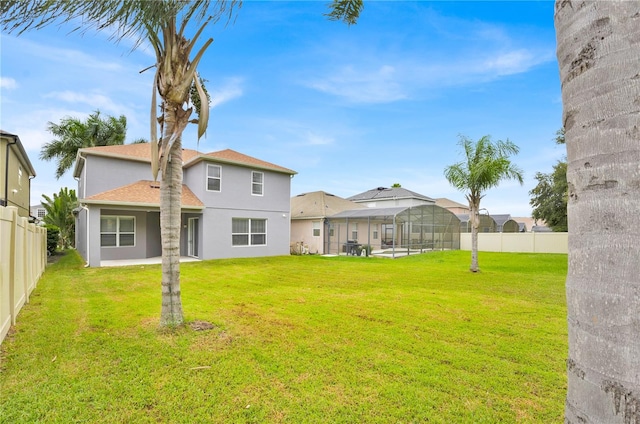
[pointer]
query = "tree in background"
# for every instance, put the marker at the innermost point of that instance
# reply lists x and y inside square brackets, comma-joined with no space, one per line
[73,134]
[60,214]
[598,53]
[485,165]
[550,195]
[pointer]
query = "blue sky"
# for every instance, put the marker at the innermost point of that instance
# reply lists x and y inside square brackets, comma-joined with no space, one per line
[348,108]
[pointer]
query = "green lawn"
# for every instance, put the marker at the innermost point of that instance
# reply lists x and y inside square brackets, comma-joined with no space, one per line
[295,339]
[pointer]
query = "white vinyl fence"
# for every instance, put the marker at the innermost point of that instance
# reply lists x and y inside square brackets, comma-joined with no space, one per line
[518,242]
[23,258]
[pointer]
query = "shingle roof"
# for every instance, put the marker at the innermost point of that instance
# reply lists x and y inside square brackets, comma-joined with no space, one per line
[318,204]
[448,203]
[388,193]
[142,193]
[142,152]
[231,156]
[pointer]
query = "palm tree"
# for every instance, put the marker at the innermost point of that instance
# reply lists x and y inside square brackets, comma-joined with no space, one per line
[60,213]
[175,72]
[598,54]
[72,134]
[156,22]
[485,165]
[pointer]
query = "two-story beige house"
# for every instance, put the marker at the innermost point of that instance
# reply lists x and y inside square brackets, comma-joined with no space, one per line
[16,172]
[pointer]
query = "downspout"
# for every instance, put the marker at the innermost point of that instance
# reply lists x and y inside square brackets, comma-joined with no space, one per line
[31,217]
[81,206]
[88,234]
[6,171]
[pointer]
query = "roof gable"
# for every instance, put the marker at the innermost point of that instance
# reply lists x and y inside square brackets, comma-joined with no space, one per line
[319,204]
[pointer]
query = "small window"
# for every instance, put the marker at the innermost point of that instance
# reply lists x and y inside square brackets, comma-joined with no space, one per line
[257,183]
[41,213]
[117,231]
[316,228]
[354,231]
[19,175]
[248,232]
[214,178]
[375,231]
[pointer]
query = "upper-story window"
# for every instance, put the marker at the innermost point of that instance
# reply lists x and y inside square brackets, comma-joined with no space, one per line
[41,213]
[257,183]
[214,177]
[19,175]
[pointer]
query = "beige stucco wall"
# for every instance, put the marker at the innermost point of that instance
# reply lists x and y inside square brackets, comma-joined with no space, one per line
[518,242]
[302,231]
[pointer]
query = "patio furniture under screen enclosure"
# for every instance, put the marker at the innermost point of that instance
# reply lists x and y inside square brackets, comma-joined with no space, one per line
[394,231]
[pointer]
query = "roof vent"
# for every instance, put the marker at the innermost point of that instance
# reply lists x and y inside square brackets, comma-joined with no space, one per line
[381,188]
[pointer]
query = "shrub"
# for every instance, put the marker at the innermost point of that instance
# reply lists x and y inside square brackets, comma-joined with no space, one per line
[53,235]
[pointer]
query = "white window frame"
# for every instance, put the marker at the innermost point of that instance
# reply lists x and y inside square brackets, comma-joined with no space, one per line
[256,184]
[219,178]
[249,233]
[41,212]
[315,227]
[375,231]
[118,232]
[354,231]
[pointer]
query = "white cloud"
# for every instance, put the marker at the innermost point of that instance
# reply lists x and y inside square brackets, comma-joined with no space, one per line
[314,139]
[362,84]
[8,83]
[230,89]
[94,99]
[69,57]
[512,62]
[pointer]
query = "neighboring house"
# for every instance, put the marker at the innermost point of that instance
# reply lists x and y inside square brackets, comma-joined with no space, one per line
[38,212]
[233,205]
[390,219]
[505,224]
[16,172]
[452,206]
[383,197]
[309,212]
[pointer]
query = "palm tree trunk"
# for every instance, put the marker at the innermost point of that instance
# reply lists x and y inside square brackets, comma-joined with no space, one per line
[170,224]
[599,57]
[474,210]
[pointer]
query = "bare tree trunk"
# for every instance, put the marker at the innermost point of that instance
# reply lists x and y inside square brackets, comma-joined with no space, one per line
[599,58]
[170,225]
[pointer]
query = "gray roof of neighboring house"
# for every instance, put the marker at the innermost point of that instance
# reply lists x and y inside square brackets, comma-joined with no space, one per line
[23,153]
[541,229]
[501,219]
[319,204]
[381,193]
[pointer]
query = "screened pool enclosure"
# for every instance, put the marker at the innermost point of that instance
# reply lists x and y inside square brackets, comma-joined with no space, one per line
[394,231]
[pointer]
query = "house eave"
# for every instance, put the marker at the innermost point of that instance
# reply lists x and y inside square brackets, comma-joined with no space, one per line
[134,204]
[206,158]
